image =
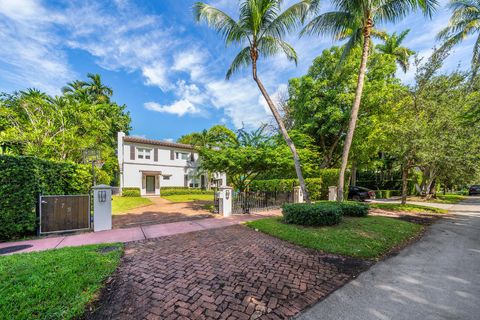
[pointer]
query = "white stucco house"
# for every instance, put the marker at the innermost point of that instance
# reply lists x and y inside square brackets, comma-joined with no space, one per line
[153,164]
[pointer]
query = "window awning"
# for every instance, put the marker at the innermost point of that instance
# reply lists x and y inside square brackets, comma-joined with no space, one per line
[151,172]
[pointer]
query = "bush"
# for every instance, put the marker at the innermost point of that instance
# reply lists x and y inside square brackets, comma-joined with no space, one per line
[130,192]
[172,191]
[318,214]
[385,194]
[354,209]
[317,187]
[21,181]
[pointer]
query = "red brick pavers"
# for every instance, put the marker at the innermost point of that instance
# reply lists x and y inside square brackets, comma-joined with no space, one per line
[161,211]
[228,273]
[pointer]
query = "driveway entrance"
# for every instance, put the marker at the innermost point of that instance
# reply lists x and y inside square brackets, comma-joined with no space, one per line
[161,211]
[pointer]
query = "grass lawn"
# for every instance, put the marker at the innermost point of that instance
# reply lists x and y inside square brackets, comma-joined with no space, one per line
[189,197]
[448,198]
[406,208]
[53,284]
[368,237]
[122,204]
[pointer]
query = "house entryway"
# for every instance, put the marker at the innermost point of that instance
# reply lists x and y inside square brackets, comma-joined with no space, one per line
[150,185]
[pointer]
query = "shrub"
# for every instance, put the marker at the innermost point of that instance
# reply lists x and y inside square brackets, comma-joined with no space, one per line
[385,194]
[21,181]
[171,191]
[317,187]
[318,214]
[354,209]
[130,192]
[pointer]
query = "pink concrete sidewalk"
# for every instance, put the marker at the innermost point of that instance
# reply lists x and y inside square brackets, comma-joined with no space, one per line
[136,233]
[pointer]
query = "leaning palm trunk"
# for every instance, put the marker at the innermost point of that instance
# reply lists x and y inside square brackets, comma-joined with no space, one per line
[355,109]
[283,130]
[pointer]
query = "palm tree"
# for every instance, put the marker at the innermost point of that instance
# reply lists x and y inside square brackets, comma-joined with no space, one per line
[465,21]
[354,21]
[392,46]
[97,89]
[260,29]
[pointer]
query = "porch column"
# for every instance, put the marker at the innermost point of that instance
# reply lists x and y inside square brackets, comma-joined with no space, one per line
[297,195]
[332,193]
[102,207]
[225,197]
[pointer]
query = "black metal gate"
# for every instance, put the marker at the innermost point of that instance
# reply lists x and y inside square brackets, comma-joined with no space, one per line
[251,201]
[61,213]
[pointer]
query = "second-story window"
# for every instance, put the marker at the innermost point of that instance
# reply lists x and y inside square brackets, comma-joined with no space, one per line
[144,153]
[182,155]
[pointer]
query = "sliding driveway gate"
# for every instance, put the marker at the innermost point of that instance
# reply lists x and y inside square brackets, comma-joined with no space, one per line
[64,213]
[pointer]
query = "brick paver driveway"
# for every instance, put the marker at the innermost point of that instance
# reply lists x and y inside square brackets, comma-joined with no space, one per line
[161,211]
[228,273]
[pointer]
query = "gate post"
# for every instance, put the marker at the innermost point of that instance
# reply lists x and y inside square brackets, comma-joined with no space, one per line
[102,207]
[297,195]
[332,193]
[225,198]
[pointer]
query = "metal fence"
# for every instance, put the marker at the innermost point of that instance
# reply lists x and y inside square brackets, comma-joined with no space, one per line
[251,201]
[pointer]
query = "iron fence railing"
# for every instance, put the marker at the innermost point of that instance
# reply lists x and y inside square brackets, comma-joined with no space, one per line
[251,201]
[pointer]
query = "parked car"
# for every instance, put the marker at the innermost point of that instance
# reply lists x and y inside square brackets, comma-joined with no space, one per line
[474,190]
[360,194]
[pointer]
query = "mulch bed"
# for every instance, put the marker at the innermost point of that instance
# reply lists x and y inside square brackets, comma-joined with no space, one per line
[228,273]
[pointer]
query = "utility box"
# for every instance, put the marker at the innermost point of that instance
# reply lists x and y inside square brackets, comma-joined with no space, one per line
[102,207]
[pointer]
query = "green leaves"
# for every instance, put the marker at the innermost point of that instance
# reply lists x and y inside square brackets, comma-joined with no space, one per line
[260,28]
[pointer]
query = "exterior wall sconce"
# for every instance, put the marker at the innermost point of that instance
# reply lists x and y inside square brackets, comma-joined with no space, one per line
[227,194]
[102,196]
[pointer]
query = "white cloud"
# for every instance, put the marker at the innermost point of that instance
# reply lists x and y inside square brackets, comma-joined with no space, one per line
[192,62]
[179,108]
[156,75]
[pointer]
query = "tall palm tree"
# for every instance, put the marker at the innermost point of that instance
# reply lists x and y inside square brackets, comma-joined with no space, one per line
[465,21]
[354,21]
[97,89]
[260,29]
[392,46]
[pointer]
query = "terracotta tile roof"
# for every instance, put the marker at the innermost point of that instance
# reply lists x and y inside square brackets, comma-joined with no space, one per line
[158,143]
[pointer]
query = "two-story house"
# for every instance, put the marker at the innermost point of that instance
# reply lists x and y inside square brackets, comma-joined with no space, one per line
[153,164]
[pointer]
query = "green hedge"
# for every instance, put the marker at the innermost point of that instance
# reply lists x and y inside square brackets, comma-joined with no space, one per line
[317,187]
[317,214]
[171,191]
[354,209]
[23,178]
[130,192]
[385,194]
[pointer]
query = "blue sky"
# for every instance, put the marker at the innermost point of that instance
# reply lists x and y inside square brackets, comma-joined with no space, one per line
[167,69]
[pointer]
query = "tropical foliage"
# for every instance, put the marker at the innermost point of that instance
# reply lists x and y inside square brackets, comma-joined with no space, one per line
[62,127]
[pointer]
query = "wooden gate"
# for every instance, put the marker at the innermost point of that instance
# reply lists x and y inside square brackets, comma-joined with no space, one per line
[64,213]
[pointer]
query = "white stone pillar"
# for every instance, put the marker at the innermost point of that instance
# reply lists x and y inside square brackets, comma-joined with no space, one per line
[102,207]
[297,195]
[225,198]
[332,193]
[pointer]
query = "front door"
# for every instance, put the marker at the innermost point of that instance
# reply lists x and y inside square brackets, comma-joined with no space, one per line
[150,185]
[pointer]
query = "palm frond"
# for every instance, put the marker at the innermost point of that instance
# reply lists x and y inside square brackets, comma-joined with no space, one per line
[242,60]
[289,19]
[269,46]
[332,23]
[220,22]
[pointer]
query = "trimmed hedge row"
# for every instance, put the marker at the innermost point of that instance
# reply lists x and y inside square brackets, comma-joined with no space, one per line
[324,213]
[317,187]
[385,194]
[171,191]
[23,178]
[130,192]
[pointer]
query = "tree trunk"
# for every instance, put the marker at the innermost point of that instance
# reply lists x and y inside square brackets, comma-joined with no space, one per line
[355,109]
[281,126]
[353,178]
[404,184]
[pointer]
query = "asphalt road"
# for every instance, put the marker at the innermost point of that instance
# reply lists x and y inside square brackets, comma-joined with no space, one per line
[436,278]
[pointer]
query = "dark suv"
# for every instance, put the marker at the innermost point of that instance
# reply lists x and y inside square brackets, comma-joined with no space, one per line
[360,194]
[474,190]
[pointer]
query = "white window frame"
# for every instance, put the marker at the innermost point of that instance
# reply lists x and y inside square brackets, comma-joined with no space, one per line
[144,153]
[182,155]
